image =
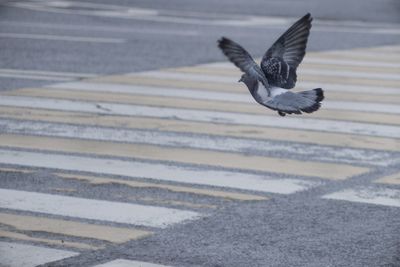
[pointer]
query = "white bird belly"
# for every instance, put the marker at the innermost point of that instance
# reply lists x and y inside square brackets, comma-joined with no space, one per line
[261,92]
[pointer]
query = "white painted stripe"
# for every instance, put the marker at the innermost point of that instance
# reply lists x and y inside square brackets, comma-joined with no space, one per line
[35,77]
[102,210]
[212,95]
[362,106]
[370,195]
[349,74]
[229,79]
[92,28]
[205,116]
[129,263]
[318,58]
[48,73]
[62,38]
[155,91]
[350,88]
[372,30]
[18,255]
[197,141]
[169,172]
[169,75]
[366,54]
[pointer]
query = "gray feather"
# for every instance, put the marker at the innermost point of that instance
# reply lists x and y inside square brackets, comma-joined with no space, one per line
[242,59]
[291,102]
[289,51]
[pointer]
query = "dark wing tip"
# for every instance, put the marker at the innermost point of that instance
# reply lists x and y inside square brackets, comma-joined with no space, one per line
[307,17]
[223,42]
[320,94]
[312,108]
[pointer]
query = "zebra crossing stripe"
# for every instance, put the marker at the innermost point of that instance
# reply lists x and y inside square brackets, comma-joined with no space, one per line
[183,189]
[240,88]
[198,157]
[343,110]
[129,263]
[390,179]
[196,141]
[59,242]
[71,228]
[344,115]
[237,97]
[168,172]
[189,127]
[306,73]
[93,209]
[302,123]
[369,195]
[179,81]
[17,255]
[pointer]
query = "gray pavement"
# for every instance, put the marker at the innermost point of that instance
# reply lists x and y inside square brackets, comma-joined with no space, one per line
[99,135]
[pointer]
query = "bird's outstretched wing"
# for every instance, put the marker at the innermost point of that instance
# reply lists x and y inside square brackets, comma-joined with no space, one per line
[242,59]
[280,62]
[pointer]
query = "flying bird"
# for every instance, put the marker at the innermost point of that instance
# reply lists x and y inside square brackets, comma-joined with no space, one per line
[277,71]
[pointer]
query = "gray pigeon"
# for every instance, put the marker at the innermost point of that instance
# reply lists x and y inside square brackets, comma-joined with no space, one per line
[277,73]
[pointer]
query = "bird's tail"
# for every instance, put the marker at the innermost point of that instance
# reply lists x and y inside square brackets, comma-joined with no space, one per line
[316,96]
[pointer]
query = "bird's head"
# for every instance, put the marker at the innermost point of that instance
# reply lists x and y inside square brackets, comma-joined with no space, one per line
[250,82]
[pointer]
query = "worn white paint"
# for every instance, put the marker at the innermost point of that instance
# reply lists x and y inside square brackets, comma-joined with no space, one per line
[220,96]
[376,90]
[64,38]
[176,75]
[158,171]
[197,77]
[174,139]
[129,263]
[369,195]
[18,255]
[93,209]
[155,91]
[205,116]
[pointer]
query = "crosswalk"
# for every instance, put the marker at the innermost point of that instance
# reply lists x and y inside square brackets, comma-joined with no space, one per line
[119,158]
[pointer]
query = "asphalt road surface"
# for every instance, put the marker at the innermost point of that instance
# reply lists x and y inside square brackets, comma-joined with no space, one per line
[125,139]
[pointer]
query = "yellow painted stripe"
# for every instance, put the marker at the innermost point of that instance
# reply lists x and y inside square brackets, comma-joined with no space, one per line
[250,108]
[169,83]
[322,78]
[391,179]
[192,156]
[181,189]
[358,97]
[235,72]
[60,242]
[367,69]
[348,80]
[177,83]
[15,170]
[385,48]
[357,55]
[243,131]
[331,95]
[71,228]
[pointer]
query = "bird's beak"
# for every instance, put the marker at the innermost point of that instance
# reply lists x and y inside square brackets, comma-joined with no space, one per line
[240,80]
